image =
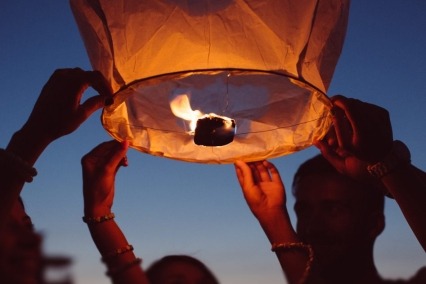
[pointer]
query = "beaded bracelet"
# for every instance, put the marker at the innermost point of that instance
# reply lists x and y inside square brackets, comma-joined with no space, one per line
[22,167]
[117,252]
[97,220]
[113,272]
[289,246]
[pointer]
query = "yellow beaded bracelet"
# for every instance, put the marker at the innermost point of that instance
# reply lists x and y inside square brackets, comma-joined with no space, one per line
[117,252]
[100,219]
[298,245]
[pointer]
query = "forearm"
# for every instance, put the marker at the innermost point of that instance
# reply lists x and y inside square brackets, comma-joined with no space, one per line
[294,261]
[113,246]
[27,147]
[408,186]
[277,226]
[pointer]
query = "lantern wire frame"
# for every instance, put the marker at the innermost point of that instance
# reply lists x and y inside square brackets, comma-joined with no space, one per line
[258,135]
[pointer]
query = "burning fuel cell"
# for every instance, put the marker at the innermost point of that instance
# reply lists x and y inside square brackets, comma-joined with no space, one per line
[214,130]
[208,129]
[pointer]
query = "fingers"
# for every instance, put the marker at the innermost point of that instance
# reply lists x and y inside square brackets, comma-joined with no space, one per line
[350,119]
[364,129]
[97,81]
[246,179]
[91,105]
[78,80]
[274,173]
[343,122]
[72,82]
[262,171]
[331,155]
[108,155]
[244,174]
[118,154]
[124,162]
[256,172]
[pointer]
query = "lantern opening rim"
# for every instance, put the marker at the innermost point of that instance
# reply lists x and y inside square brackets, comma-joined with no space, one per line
[195,71]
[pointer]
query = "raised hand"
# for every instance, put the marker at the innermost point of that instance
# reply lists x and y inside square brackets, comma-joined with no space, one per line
[262,187]
[361,135]
[99,170]
[58,110]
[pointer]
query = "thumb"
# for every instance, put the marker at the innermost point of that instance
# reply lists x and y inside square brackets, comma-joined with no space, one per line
[246,179]
[337,161]
[119,153]
[91,105]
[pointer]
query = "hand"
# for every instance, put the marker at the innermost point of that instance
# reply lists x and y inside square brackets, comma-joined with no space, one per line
[99,169]
[362,135]
[58,111]
[262,187]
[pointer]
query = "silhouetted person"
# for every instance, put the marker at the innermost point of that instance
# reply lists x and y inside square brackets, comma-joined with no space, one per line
[22,259]
[183,269]
[58,111]
[339,199]
[99,170]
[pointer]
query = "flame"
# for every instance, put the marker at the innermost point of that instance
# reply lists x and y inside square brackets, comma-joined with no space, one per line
[227,122]
[181,108]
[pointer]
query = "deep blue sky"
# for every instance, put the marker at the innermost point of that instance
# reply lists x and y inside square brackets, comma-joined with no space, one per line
[166,206]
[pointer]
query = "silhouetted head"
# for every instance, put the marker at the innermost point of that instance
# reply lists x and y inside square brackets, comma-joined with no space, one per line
[338,216]
[180,269]
[22,259]
[20,249]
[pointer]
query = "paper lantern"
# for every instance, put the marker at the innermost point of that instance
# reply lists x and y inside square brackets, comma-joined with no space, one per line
[213,81]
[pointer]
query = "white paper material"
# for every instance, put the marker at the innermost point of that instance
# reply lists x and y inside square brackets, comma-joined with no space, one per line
[267,64]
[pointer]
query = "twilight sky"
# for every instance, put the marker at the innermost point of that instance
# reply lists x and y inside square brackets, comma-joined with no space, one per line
[165,206]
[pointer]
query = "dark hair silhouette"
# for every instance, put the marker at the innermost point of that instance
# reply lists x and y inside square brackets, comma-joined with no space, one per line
[156,269]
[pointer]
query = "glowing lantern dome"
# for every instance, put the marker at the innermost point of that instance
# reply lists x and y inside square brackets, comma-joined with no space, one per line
[213,81]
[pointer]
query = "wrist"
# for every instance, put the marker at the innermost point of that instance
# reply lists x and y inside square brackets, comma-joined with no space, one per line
[398,157]
[272,215]
[38,134]
[27,144]
[277,226]
[96,211]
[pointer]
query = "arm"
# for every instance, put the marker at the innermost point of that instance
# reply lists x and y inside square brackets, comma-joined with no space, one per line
[99,169]
[408,186]
[56,113]
[362,136]
[264,193]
